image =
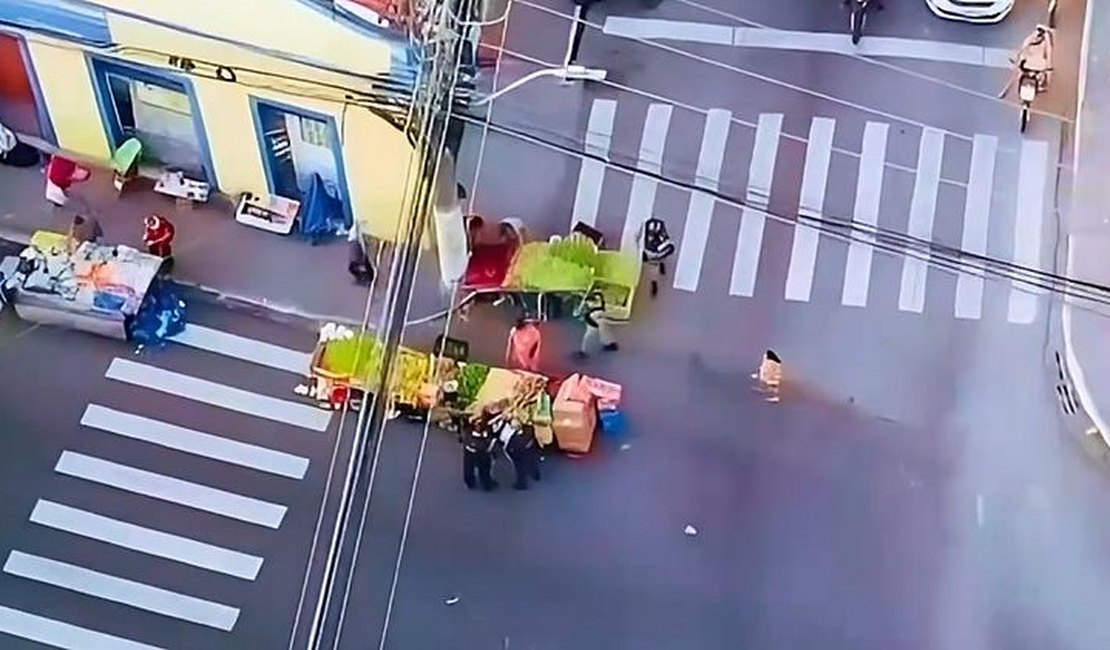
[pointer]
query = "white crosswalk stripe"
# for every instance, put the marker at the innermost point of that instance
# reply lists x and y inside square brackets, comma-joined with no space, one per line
[923,207]
[641,202]
[811,203]
[120,590]
[969,284]
[869,188]
[700,216]
[761,172]
[165,484]
[591,176]
[881,203]
[152,542]
[1032,187]
[57,634]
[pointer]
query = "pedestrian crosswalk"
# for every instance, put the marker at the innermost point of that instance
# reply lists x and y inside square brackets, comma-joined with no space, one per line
[991,223]
[102,539]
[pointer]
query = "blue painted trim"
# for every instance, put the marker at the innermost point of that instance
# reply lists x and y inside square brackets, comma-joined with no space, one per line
[260,140]
[46,125]
[100,67]
[74,20]
[336,146]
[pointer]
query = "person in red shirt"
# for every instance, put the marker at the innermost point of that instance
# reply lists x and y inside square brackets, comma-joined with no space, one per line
[523,351]
[61,174]
[158,236]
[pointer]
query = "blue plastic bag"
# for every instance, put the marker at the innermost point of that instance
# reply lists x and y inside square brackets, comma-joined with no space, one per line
[161,316]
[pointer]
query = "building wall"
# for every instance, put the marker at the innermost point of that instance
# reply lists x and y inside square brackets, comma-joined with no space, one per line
[293,26]
[375,154]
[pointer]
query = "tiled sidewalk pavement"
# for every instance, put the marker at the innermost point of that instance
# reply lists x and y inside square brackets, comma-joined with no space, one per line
[213,251]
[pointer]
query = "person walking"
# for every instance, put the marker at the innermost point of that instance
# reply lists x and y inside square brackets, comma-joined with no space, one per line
[525,342]
[598,329]
[769,376]
[478,454]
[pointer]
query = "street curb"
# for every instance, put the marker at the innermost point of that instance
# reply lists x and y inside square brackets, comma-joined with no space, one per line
[1071,360]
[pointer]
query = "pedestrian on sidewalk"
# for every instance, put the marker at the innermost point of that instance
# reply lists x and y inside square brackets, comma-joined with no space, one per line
[158,237]
[598,328]
[359,265]
[84,229]
[61,174]
[769,376]
[523,350]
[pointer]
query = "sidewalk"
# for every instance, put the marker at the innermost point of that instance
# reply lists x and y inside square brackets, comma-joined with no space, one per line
[1086,325]
[214,253]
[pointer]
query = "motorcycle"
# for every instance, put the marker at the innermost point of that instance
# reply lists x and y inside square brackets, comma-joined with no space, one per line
[1030,83]
[857,16]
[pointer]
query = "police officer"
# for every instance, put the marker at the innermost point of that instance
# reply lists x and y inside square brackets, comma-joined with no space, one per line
[478,444]
[523,450]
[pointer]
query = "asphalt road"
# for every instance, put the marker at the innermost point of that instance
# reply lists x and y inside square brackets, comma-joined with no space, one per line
[52,378]
[915,489]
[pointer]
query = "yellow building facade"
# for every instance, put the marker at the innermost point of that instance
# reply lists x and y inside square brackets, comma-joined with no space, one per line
[258,96]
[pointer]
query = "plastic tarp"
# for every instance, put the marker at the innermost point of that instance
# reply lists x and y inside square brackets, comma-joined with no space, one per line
[322,215]
[161,316]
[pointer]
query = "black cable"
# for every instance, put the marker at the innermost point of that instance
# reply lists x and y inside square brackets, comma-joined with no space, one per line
[940,255]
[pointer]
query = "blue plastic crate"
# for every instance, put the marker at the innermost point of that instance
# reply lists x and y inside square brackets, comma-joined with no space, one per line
[613,422]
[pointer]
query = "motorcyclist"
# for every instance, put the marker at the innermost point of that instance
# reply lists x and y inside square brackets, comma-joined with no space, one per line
[1035,55]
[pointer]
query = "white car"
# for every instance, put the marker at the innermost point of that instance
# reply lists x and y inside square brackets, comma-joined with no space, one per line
[972,11]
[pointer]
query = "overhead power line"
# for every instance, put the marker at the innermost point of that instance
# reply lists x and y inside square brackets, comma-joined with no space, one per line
[893,242]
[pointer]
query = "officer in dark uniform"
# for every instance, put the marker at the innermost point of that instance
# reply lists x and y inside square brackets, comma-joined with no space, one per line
[523,450]
[478,444]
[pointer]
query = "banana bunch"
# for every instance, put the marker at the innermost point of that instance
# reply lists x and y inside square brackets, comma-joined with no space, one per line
[523,402]
[410,376]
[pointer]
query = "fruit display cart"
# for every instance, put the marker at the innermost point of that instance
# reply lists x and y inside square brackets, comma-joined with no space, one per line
[345,367]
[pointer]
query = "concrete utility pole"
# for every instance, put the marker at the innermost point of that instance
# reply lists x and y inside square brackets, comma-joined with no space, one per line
[443,40]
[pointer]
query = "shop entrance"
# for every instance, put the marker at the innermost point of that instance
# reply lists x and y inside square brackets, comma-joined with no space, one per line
[158,110]
[19,106]
[298,145]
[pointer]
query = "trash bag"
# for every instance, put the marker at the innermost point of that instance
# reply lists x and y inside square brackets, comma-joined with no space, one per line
[161,316]
[322,215]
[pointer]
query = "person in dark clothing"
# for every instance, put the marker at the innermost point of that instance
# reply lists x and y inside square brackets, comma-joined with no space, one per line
[598,329]
[478,444]
[358,264]
[523,450]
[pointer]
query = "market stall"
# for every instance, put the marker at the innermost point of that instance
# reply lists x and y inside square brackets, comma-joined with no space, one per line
[86,286]
[569,267]
[346,365]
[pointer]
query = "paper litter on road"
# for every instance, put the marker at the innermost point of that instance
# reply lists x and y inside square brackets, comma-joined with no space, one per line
[690,530]
[626,446]
[452,600]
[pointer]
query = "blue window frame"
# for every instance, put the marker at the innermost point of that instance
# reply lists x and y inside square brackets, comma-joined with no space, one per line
[68,19]
[110,77]
[269,162]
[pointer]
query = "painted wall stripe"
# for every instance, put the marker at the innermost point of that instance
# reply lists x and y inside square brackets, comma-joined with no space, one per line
[869,189]
[761,172]
[923,206]
[591,175]
[128,592]
[173,490]
[641,203]
[245,349]
[194,442]
[699,216]
[980,188]
[227,397]
[1032,188]
[146,540]
[57,634]
[811,203]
